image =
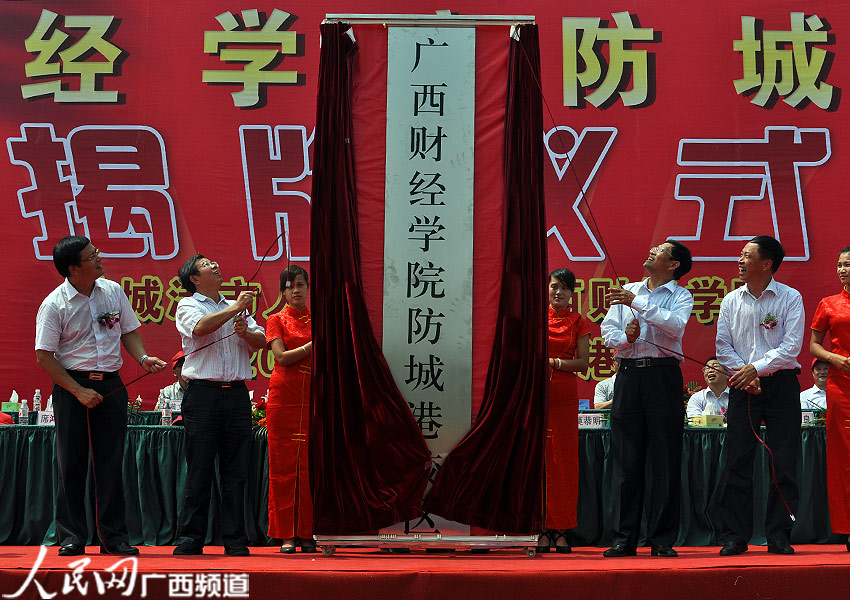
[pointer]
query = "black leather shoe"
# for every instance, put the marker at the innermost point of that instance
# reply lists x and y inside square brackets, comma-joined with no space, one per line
[308,546]
[122,549]
[781,547]
[664,551]
[733,548]
[619,550]
[188,549]
[71,550]
[237,551]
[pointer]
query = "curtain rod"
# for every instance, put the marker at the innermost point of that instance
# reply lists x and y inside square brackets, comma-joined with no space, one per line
[442,20]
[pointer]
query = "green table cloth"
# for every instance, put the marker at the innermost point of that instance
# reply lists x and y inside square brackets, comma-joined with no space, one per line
[155,476]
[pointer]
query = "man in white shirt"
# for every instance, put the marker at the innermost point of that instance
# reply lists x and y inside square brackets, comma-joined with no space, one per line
[173,394]
[645,324]
[218,340]
[79,331]
[715,396]
[814,398]
[603,393]
[759,335]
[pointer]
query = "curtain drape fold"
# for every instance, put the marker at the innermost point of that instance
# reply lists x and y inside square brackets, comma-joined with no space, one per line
[494,477]
[368,461]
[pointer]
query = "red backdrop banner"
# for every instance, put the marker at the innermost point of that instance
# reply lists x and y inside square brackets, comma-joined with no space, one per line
[160,129]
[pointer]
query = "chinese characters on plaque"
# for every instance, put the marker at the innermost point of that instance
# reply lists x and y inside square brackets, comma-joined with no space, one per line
[428,223]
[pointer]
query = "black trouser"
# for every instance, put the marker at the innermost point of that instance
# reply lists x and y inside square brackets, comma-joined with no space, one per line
[647,421]
[217,422]
[108,422]
[779,406]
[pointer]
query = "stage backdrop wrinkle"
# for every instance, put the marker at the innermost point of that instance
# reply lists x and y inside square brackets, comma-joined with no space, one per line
[493,477]
[368,461]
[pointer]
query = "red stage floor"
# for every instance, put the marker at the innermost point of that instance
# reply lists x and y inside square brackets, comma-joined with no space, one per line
[813,572]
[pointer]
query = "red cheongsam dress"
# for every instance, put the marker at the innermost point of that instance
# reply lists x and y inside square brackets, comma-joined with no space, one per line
[288,421]
[833,315]
[565,329]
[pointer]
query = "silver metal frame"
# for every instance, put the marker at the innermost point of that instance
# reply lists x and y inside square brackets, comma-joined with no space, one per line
[420,541]
[441,19]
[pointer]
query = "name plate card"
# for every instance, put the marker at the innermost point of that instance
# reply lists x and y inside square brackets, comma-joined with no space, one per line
[45,417]
[592,421]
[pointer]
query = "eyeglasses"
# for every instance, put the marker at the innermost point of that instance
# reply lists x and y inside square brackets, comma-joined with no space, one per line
[207,264]
[91,256]
[660,249]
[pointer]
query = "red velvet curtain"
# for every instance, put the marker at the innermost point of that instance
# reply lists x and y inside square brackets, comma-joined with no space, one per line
[494,477]
[368,461]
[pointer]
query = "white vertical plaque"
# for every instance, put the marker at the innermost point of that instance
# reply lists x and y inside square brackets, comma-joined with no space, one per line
[427,328]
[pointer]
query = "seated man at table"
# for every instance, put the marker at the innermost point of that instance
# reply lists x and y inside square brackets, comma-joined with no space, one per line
[173,394]
[814,398]
[79,331]
[603,394]
[715,396]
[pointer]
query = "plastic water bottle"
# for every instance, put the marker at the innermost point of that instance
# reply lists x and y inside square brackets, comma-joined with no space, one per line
[166,414]
[36,401]
[24,413]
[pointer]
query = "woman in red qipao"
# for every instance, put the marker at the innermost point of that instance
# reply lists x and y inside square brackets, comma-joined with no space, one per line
[569,343]
[288,416]
[833,315]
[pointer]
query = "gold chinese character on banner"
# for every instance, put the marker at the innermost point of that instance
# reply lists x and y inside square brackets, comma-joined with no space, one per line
[258,62]
[58,53]
[785,63]
[582,38]
[708,293]
[145,297]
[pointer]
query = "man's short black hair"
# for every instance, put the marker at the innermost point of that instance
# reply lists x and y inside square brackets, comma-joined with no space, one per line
[189,268]
[682,255]
[709,359]
[67,251]
[770,249]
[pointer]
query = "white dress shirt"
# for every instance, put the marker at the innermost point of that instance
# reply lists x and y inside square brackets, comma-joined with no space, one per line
[226,360]
[173,394]
[813,398]
[67,325]
[662,314]
[706,402]
[742,340]
[604,390]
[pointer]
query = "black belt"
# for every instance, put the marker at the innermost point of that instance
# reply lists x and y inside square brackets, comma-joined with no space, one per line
[641,363]
[93,375]
[782,372]
[217,384]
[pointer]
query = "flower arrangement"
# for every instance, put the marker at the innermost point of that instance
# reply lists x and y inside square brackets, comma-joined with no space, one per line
[723,414]
[258,412]
[819,418]
[133,408]
[691,388]
[108,319]
[769,321]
